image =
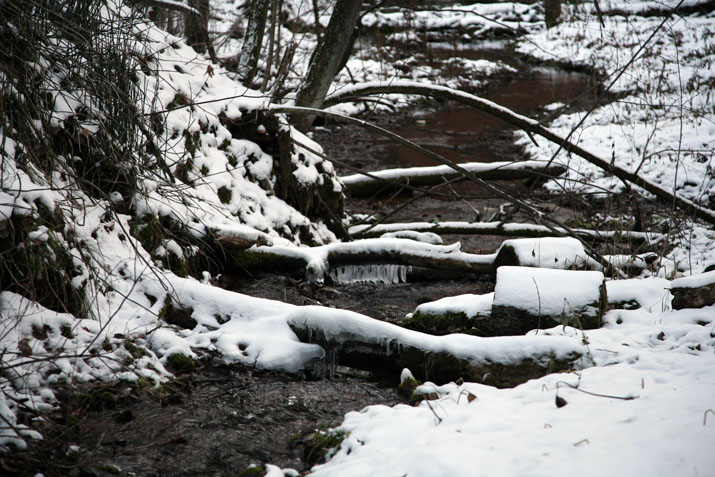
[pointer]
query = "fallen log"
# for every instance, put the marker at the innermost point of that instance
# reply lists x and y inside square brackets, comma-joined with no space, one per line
[358,341]
[529,125]
[237,237]
[361,185]
[500,228]
[537,215]
[320,263]
[317,261]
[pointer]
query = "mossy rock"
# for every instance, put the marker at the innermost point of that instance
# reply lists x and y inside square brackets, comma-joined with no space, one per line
[180,363]
[439,324]
[177,316]
[224,194]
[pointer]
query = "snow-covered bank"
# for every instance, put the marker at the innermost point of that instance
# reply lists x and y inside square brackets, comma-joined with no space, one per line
[660,360]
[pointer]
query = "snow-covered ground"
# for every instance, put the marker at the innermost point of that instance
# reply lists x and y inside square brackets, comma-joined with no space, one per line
[650,371]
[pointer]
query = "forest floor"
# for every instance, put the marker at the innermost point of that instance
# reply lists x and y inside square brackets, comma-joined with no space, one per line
[218,419]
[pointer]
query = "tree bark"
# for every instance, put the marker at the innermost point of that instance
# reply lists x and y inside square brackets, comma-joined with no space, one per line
[251,49]
[197,25]
[327,59]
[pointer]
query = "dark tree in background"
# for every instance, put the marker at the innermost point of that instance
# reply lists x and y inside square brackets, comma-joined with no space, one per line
[328,58]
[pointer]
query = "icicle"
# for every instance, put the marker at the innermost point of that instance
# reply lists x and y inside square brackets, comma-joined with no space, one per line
[387,274]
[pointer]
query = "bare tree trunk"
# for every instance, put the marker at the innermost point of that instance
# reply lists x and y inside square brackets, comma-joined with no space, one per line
[251,50]
[327,59]
[197,26]
[552,12]
[272,46]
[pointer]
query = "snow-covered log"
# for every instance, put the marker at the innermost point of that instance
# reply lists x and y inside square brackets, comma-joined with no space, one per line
[694,291]
[317,261]
[358,341]
[500,228]
[548,252]
[238,237]
[361,185]
[528,298]
[529,125]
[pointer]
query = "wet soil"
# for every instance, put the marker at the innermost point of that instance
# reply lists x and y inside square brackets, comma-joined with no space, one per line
[216,420]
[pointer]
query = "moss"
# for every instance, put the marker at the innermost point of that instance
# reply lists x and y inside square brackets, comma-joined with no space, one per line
[144,382]
[438,324]
[180,363]
[180,99]
[101,398]
[66,331]
[320,444]
[407,388]
[109,469]
[224,194]
[192,142]
[148,230]
[182,171]
[246,261]
[42,270]
[40,333]
[136,351]
[252,471]
[180,317]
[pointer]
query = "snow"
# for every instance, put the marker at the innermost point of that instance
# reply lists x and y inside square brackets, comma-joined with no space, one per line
[548,252]
[652,294]
[663,361]
[469,304]
[695,281]
[543,291]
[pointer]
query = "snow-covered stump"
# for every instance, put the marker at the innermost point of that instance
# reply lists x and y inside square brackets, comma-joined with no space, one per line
[695,291]
[360,342]
[546,252]
[533,298]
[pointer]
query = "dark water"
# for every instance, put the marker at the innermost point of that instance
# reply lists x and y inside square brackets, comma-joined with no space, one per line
[464,134]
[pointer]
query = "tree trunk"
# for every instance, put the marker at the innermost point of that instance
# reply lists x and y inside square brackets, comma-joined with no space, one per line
[197,26]
[251,50]
[327,59]
[552,12]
